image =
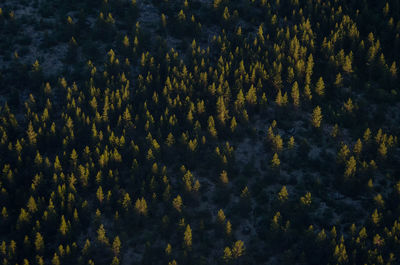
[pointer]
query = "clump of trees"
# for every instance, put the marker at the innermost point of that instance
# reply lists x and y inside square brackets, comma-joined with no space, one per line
[133,144]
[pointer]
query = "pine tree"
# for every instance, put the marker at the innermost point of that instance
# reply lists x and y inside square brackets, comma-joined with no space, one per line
[181,16]
[307,92]
[4,213]
[126,202]
[177,203]
[211,127]
[378,241]
[233,124]
[126,41]
[31,134]
[295,94]
[227,254]
[270,134]
[127,116]
[86,247]
[321,236]
[55,260]
[347,68]
[188,180]
[39,243]
[101,235]
[32,207]
[251,96]
[240,101]
[170,140]
[264,100]
[222,110]
[309,69]
[228,228]
[306,199]
[141,206]
[221,216]
[168,249]
[277,143]
[163,20]
[382,150]
[316,117]
[245,194]
[357,147]
[36,66]
[27,243]
[76,217]
[339,80]
[275,162]
[115,261]
[343,153]
[226,14]
[393,70]
[3,248]
[188,237]
[348,106]
[291,142]
[283,195]
[290,76]
[238,249]
[367,135]
[260,34]
[378,199]
[100,195]
[189,116]
[63,226]
[192,145]
[216,3]
[74,157]
[320,87]
[245,115]
[335,131]
[376,217]
[279,98]
[38,159]
[39,260]
[224,177]
[150,155]
[340,253]
[196,186]
[351,166]
[116,246]
[23,217]
[378,136]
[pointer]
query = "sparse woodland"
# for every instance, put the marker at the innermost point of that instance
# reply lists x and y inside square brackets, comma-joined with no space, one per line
[199,132]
